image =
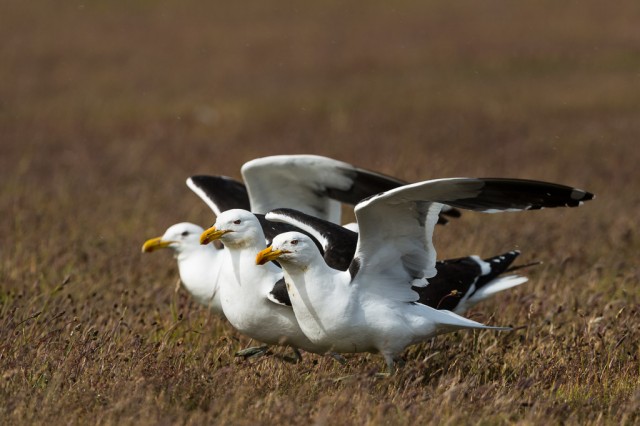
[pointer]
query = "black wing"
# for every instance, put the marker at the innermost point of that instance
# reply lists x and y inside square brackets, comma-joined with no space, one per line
[457,277]
[220,193]
[338,243]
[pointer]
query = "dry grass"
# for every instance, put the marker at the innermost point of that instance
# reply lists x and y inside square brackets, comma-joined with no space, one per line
[106,107]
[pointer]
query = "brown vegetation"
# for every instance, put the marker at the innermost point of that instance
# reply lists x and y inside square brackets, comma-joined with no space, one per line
[106,107]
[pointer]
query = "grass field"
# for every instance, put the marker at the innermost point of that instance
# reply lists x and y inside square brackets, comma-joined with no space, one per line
[106,108]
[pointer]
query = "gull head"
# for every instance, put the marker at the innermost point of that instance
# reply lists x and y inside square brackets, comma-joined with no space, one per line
[235,228]
[292,248]
[179,237]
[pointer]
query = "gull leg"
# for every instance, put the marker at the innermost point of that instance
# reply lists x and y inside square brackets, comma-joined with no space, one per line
[296,358]
[343,361]
[391,366]
[297,355]
[393,362]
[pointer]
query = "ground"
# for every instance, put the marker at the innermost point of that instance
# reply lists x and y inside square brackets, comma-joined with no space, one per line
[106,108]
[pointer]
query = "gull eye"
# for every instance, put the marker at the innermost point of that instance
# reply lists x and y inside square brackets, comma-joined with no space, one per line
[294,242]
[185,233]
[237,222]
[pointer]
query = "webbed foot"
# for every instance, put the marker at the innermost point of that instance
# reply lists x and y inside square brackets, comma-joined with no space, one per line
[253,351]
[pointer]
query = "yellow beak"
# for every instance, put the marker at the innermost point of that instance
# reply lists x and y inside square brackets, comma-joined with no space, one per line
[268,255]
[155,244]
[211,234]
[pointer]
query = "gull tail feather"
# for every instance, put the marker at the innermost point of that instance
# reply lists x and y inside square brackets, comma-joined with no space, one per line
[497,285]
[447,321]
[489,289]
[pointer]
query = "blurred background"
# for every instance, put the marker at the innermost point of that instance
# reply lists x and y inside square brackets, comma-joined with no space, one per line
[107,107]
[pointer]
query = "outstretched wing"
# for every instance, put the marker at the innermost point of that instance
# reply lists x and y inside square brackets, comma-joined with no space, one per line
[395,249]
[312,184]
[396,227]
[220,193]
